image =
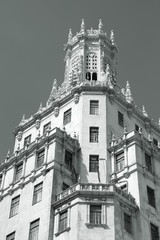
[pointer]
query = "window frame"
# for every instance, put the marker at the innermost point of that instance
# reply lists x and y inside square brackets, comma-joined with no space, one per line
[40,159]
[10,236]
[94,107]
[94,134]
[127,221]
[148,163]
[63,222]
[68,159]
[27,140]
[93,163]
[18,172]
[14,206]
[120,161]
[151,197]
[67,116]
[95,214]
[120,119]
[46,127]
[37,193]
[34,229]
[155,236]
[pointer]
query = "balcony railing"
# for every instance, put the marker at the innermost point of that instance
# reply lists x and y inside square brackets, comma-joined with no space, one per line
[94,188]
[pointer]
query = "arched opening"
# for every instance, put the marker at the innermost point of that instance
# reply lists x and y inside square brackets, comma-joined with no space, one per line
[94,76]
[88,76]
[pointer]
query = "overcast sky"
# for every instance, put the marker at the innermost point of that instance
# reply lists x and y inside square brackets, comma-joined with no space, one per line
[32,35]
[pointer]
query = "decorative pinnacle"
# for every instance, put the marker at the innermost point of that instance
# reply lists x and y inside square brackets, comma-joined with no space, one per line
[159,122]
[144,111]
[112,37]
[70,36]
[100,26]
[82,26]
[22,120]
[129,98]
[40,107]
[8,154]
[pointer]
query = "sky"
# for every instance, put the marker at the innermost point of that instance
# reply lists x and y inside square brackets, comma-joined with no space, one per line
[32,38]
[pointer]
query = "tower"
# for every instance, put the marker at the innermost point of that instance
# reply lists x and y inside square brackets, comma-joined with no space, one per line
[86,164]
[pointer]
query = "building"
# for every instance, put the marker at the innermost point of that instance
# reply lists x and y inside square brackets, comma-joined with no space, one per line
[86,165]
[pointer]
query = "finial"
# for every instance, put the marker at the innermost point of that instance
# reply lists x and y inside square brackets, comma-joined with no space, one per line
[18,148]
[159,122]
[8,154]
[125,130]
[149,138]
[112,37]
[128,93]
[70,36]
[113,136]
[82,26]
[22,120]
[144,111]
[100,26]
[40,107]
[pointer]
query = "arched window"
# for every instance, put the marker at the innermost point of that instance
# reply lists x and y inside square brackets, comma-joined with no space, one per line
[88,76]
[94,76]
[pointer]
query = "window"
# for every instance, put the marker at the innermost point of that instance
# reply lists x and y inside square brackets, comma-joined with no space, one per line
[120,119]
[46,127]
[11,236]
[136,127]
[127,223]
[148,162]
[120,162]
[93,163]
[40,158]
[94,132]
[37,195]
[154,232]
[68,160]
[95,214]
[155,142]
[14,206]
[62,221]
[34,229]
[18,172]
[151,197]
[67,117]
[94,107]
[65,186]
[27,140]
[0,181]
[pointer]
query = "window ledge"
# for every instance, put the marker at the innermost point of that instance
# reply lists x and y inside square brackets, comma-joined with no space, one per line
[92,225]
[65,230]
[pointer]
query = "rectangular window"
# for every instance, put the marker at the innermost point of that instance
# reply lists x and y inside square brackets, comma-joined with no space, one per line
[65,186]
[93,163]
[151,197]
[40,158]
[95,214]
[62,221]
[120,162]
[67,117]
[37,195]
[127,223]
[155,142]
[94,107]
[18,172]
[154,232]
[120,119]
[46,127]
[68,159]
[136,127]
[94,134]
[148,162]
[34,230]
[27,140]
[11,236]
[14,206]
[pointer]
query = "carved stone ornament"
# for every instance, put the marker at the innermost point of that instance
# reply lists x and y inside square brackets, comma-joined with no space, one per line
[76,98]
[56,111]
[37,124]
[19,136]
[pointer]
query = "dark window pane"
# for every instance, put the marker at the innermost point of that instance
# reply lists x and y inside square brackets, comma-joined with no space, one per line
[127,223]
[94,134]
[120,119]
[95,214]
[120,162]
[67,117]
[93,163]
[151,197]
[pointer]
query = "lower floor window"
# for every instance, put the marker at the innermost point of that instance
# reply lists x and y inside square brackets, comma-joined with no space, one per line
[154,232]
[34,230]
[62,221]
[95,214]
[11,236]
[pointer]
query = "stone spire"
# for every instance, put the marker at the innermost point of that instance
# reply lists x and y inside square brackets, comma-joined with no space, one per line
[112,37]
[100,26]
[70,36]
[129,98]
[53,93]
[82,26]
[144,111]
[23,120]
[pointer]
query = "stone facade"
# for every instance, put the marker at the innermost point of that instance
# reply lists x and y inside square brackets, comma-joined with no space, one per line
[87,164]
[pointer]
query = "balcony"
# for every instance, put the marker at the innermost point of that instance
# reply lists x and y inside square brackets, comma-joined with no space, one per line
[100,189]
